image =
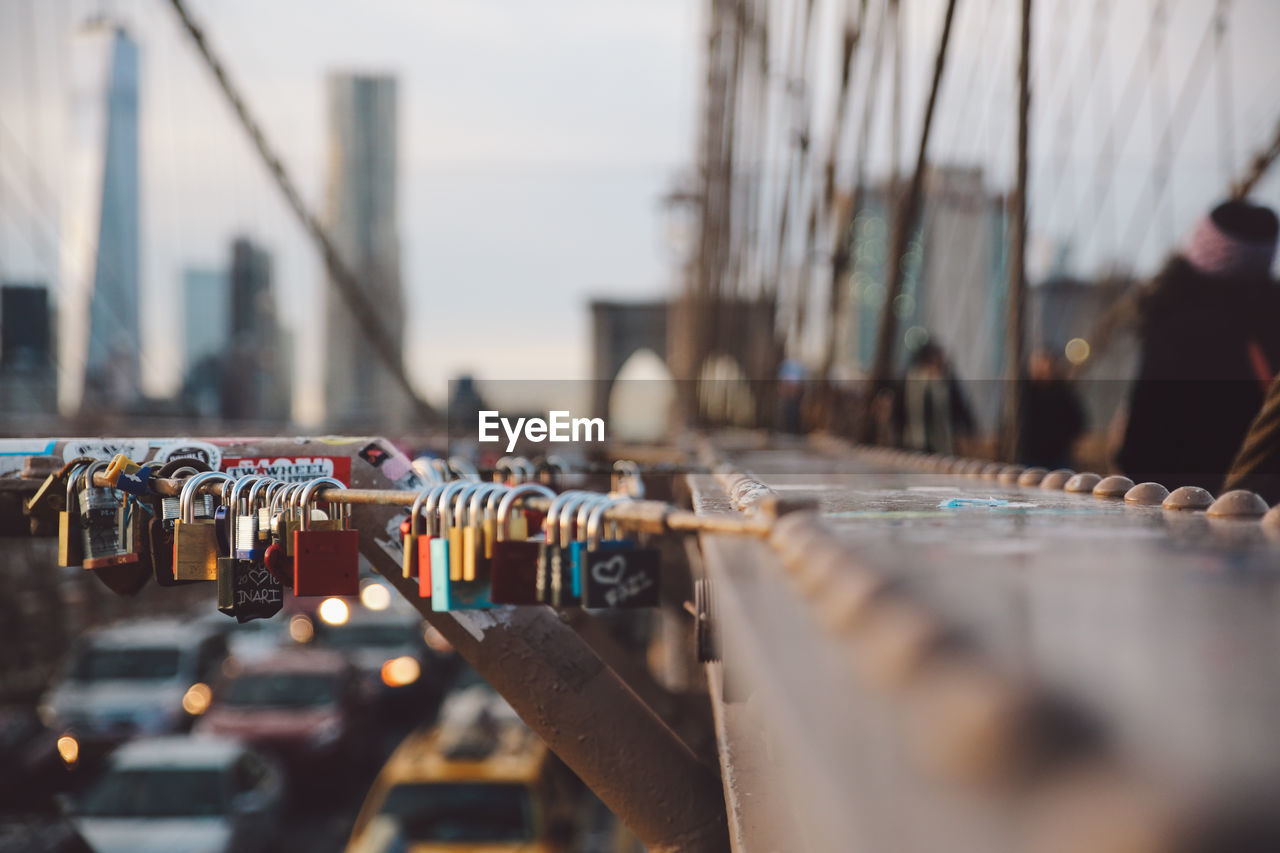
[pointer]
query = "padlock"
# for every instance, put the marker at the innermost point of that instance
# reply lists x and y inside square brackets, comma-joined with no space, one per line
[224,519]
[105,524]
[51,498]
[431,530]
[195,540]
[276,558]
[513,569]
[272,488]
[325,562]
[165,512]
[128,578]
[565,585]
[548,552]
[409,544]
[476,538]
[255,592]
[616,573]
[465,589]
[555,565]
[70,539]
[441,546]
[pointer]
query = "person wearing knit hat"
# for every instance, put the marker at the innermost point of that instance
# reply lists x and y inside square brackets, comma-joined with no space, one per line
[1209,329]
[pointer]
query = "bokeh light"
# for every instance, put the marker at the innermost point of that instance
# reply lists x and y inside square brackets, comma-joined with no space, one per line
[69,749]
[334,611]
[196,700]
[1077,350]
[375,596]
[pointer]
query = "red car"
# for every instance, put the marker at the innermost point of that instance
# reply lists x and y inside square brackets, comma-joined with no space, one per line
[305,706]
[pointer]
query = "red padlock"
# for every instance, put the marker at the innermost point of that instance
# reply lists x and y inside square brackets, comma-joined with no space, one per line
[514,568]
[326,554]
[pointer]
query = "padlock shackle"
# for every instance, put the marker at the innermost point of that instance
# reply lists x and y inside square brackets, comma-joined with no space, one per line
[549,523]
[460,502]
[431,507]
[72,491]
[187,497]
[568,512]
[509,500]
[491,502]
[444,514]
[475,510]
[415,512]
[584,513]
[309,491]
[264,484]
[279,501]
[530,471]
[504,464]
[596,519]
[233,504]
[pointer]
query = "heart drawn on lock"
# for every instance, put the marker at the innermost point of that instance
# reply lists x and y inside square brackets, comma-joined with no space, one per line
[611,570]
[259,577]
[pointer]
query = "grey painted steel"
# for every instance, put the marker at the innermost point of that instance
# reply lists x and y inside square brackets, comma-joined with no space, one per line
[1161,625]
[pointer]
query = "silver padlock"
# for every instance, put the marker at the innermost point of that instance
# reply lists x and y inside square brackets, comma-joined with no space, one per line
[108,539]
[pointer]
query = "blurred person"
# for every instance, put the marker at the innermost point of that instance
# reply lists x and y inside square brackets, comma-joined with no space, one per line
[791,380]
[1209,331]
[1052,417]
[931,411]
[1257,463]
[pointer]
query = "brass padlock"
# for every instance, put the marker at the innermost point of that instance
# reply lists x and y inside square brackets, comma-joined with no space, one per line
[70,540]
[195,541]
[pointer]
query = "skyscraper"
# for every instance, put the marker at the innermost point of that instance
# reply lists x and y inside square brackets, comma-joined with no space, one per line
[258,379]
[206,325]
[101,232]
[27,378]
[362,218]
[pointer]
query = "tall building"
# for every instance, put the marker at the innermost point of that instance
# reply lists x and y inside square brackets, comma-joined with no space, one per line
[362,218]
[257,384]
[206,324]
[101,231]
[28,381]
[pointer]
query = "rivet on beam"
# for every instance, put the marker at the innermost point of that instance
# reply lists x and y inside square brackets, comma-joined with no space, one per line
[1114,486]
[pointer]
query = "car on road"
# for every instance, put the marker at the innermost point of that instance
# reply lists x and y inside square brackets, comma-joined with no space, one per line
[306,706]
[181,795]
[389,649]
[480,780]
[145,677]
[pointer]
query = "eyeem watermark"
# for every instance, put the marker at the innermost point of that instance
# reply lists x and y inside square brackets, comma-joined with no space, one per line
[559,427]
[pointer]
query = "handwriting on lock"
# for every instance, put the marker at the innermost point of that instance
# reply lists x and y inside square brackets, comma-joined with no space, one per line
[613,573]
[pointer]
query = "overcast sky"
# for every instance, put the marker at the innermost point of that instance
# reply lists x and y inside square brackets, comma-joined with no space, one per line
[537,139]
